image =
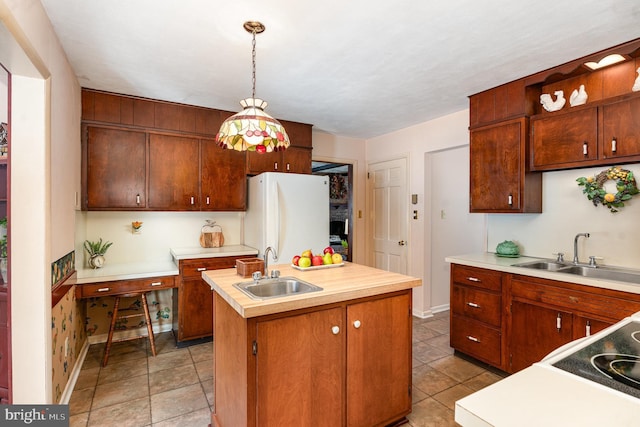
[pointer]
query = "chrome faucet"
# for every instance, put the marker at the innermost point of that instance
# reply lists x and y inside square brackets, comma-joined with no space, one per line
[575,246]
[266,259]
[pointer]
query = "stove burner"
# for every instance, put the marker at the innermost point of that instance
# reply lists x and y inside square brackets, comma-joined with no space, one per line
[612,360]
[620,367]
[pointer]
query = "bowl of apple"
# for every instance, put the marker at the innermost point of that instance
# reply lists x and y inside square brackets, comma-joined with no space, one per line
[308,261]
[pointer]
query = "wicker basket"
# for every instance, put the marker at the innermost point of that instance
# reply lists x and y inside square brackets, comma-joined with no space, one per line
[247,266]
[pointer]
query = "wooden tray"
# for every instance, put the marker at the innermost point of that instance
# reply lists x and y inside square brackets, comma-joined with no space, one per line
[318,267]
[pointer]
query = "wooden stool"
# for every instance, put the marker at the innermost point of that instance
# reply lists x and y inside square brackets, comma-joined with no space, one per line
[115,317]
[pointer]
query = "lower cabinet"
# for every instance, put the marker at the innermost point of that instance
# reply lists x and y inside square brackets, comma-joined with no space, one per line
[193,298]
[545,314]
[476,313]
[511,321]
[344,364]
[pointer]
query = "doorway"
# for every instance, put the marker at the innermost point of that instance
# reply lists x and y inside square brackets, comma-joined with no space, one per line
[388,200]
[340,205]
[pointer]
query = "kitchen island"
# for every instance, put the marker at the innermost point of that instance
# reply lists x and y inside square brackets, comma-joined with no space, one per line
[339,356]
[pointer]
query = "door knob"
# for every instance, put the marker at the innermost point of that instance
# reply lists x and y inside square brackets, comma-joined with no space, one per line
[401,243]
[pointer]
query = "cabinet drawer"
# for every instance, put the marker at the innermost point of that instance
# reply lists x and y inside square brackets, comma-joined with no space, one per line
[475,339]
[120,287]
[478,277]
[476,304]
[190,268]
[575,300]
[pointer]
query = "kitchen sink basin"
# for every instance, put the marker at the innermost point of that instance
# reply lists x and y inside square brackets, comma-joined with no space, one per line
[603,273]
[542,265]
[276,288]
[600,272]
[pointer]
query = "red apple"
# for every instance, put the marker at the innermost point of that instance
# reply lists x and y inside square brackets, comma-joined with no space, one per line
[316,260]
[328,250]
[295,259]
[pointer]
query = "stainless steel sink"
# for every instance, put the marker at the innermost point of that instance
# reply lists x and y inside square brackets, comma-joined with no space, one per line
[276,288]
[600,272]
[603,273]
[542,265]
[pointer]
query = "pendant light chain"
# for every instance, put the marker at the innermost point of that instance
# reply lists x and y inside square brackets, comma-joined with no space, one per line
[253,61]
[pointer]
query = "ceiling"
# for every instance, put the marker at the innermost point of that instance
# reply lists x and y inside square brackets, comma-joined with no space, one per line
[356,68]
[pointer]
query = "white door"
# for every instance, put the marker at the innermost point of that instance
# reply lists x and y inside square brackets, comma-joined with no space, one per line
[387,182]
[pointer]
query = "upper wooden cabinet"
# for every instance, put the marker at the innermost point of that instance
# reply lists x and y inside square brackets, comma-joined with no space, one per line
[499,181]
[221,170]
[604,131]
[114,168]
[501,103]
[295,159]
[602,134]
[564,140]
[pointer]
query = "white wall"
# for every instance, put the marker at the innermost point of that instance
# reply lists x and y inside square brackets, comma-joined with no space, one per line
[413,142]
[327,147]
[566,212]
[45,120]
[160,232]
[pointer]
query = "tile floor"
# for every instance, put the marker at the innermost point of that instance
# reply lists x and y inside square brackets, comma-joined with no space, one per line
[175,388]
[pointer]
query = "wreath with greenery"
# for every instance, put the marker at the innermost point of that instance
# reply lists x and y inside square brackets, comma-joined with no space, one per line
[595,191]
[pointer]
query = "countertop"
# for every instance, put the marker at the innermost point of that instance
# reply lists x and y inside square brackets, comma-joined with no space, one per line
[348,282]
[491,261]
[143,269]
[542,395]
[198,252]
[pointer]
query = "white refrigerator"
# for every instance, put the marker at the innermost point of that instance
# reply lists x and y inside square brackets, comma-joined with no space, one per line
[289,212]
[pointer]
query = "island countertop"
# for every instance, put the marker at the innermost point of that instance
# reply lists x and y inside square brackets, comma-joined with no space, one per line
[339,284]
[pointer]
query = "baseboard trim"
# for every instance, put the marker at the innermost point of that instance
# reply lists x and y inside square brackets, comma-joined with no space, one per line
[440,308]
[73,378]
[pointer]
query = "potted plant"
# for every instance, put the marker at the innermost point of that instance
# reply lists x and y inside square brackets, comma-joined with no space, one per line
[96,252]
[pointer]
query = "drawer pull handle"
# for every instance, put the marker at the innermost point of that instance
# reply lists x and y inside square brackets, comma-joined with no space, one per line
[473,279]
[335,330]
[156,283]
[104,289]
[201,269]
[357,324]
[585,148]
[614,142]
[473,304]
[588,329]
[559,322]
[474,339]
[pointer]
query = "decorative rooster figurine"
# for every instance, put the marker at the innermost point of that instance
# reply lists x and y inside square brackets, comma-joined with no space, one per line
[636,85]
[578,96]
[551,105]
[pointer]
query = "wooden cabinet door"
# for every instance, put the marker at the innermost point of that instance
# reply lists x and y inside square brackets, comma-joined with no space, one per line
[565,140]
[258,163]
[115,169]
[587,326]
[535,332]
[300,370]
[497,167]
[621,130]
[223,179]
[173,172]
[297,160]
[379,360]
[196,321]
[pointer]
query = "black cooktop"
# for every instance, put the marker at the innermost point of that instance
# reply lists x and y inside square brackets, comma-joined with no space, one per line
[613,360]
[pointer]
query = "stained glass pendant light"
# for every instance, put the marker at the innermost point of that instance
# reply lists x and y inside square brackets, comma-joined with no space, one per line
[252,129]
